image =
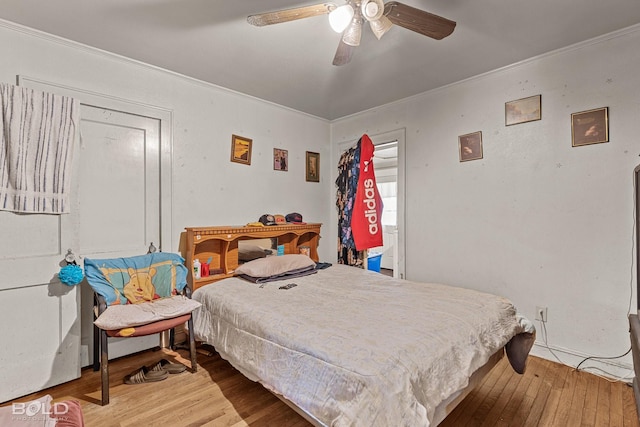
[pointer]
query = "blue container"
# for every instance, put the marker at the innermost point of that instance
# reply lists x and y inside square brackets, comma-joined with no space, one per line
[373,262]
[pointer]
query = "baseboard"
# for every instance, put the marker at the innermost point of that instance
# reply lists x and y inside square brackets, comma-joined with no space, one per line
[614,369]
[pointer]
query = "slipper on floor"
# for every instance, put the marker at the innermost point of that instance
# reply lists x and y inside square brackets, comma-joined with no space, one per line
[144,375]
[165,366]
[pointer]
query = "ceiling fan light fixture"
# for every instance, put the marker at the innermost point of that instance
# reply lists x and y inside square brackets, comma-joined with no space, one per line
[340,17]
[372,10]
[381,26]
[353,33]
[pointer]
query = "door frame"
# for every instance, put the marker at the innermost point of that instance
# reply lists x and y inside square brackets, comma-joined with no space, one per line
[379,138]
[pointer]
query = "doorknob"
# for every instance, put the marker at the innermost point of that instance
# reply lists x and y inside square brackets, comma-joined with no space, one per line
[70,257]
[70,274]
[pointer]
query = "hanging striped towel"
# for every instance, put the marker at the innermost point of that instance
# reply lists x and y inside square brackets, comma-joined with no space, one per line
[37,132]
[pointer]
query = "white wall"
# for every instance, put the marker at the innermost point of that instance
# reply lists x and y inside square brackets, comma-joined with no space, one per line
[207,189]
[536,220]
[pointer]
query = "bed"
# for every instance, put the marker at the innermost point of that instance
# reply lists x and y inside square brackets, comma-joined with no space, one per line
[347,346]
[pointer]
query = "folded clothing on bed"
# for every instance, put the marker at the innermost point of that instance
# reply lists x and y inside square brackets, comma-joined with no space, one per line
[305,271]
[274,268]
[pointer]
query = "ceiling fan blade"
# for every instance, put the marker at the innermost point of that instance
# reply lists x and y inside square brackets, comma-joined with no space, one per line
[343,54]
[417,20]
[268,18]
[379,27]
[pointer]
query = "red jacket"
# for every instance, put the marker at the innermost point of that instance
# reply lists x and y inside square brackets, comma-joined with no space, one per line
[366,218]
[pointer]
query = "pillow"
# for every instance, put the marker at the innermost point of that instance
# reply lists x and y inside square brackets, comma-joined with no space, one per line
[126,316]
[68,413]
[137,279]
[24,414]
[275,265]
[251,252]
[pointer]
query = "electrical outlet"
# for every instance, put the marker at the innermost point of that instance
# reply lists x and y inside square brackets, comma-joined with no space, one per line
[541,313]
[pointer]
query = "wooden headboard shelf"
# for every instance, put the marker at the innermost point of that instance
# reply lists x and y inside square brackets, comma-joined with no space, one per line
[220,246]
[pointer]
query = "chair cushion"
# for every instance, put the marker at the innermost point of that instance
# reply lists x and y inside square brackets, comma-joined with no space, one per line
[137,279]
[151,328]
[131,315]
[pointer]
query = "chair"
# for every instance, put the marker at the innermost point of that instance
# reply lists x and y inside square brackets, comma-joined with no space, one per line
[138,296]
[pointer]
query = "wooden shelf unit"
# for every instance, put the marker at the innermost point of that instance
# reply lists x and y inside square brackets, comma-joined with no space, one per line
[219,246]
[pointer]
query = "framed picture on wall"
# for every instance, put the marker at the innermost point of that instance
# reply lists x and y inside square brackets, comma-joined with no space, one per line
[590,127]
[523,110]
[241,149]
[313,167]
[470,146]
[280,159]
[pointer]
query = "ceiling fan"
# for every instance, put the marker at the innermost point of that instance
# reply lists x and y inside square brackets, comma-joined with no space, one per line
[348,19]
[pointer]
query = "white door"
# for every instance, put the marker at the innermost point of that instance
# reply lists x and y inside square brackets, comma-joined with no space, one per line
[40,315]
[116,211]
[119,193]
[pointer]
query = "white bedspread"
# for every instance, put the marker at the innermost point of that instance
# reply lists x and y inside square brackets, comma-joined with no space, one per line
[352,347]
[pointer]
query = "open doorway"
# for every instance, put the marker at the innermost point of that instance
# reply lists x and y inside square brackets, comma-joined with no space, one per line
[385,164]
[389,161]
[389,164]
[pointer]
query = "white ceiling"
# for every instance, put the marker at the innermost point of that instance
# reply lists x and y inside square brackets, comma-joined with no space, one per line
[290,63]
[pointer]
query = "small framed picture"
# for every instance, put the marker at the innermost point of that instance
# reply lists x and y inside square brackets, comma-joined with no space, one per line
[523,110]
[470,146]
[313,167]
[280,159]
[590,127]
[240,149]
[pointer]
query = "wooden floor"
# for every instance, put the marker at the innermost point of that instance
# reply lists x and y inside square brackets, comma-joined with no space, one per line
[548,394]
[386,272]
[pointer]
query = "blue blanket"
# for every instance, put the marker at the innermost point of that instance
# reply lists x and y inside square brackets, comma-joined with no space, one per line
[137,279]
